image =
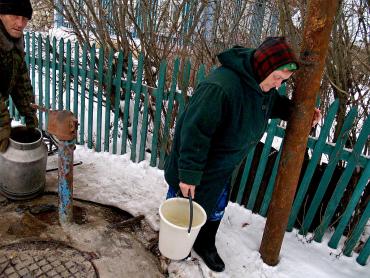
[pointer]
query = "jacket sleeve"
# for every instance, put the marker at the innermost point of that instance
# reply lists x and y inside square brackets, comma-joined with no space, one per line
[202,118]
[282,107]
[22,93]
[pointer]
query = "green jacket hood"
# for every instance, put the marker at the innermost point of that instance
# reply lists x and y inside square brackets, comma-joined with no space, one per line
[239,59]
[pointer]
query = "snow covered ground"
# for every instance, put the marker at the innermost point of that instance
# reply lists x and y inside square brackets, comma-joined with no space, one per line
[140,189]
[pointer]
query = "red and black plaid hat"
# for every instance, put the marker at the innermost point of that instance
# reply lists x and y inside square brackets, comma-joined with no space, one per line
[273,53]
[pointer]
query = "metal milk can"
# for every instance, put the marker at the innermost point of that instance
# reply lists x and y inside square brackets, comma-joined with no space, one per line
[23,165]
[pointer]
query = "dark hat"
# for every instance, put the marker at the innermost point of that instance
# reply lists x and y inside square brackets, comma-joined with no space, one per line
[274,53]
[16,7]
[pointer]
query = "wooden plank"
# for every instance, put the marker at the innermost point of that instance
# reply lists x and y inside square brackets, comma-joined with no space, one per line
[201,74]
[60,74]
[126,112]
[185,85]
[27,49]
[40,80]
[75,79]
[262,164]
[315,159]
[356,195]
[144,127]
[326,177]
[47,79]
[108,81]
[158,111]
[68,76]
[364,254]
[137,90]
[343,181]
[357,231]
[117,99]
[270,187]
[246,170]
[90,114]
[100,100]
[170,102]
[82,94]
[54,73]
[33,61]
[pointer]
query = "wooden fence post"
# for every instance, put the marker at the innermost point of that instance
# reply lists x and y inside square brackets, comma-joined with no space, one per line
[318,25]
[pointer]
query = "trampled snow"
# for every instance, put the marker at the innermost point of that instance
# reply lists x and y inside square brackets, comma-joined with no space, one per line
[140,189]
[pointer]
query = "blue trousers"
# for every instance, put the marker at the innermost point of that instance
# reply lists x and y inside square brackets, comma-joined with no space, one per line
[218,213]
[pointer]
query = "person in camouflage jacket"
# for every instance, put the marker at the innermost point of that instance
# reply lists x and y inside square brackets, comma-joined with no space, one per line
[14,76]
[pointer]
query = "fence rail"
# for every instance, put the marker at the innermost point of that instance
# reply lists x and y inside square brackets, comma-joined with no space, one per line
[114,108]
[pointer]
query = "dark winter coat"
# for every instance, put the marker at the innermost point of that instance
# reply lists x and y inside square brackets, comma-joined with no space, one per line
[14,76]
[225,118]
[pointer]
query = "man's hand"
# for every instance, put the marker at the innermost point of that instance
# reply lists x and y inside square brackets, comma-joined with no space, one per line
[185,189]
[4,138]
[316,117]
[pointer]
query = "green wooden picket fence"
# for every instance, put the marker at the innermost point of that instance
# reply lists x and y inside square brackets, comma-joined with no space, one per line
[60,82]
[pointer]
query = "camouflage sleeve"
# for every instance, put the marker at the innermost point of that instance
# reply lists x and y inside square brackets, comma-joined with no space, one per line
[22,93]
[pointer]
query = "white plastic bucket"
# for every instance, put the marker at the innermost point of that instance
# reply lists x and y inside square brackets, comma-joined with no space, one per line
[174,240]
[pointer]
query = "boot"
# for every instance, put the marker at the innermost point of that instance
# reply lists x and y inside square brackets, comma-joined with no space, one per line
[205,246]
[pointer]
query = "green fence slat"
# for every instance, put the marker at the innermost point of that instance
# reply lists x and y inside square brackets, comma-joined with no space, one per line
[364,254]
[117,99]
[328,173]
[271,185]
[47,79]
[40,80]
[68,76]
[60,74]
[75,78]
[144,126]
[356,195]
[83,93]
[170,102]
[158,111]
[100,100]
[27,49]
[262,164]
[90,111]
[243,182]
[54,72]
[33,61]
[312,164]
[126,112]
[357,231]
[137,90]
[201,74]
[108,81]
[343,181]
[185,84]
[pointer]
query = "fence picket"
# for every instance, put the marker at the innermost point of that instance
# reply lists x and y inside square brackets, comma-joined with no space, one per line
[126,112]
[40,81]
[90,111]
[108,81]
[171,98]
[144,127]
[54,73]
[243,182]
[100,100]
[137,90]
[364,254]
[60,74]
[76,65]
[325,179]
[47,79]
[315,159]
[82,94]
[117,99]
[68,76]
[343,181]
[356,233]
[356,195]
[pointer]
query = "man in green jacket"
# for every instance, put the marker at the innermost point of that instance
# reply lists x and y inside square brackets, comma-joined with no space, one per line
[14,76]
[225,118]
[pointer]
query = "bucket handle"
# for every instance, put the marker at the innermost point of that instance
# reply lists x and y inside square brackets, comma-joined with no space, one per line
[191,211]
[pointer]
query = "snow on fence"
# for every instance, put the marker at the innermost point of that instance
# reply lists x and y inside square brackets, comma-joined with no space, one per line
[66,78]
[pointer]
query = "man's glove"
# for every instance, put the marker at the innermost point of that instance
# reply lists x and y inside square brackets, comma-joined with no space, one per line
[31,120]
